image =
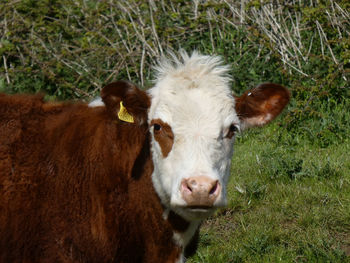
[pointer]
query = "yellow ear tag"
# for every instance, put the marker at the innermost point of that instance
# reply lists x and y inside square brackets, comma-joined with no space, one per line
[124,115]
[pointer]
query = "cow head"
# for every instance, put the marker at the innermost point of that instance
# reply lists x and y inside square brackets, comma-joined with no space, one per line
[193,121]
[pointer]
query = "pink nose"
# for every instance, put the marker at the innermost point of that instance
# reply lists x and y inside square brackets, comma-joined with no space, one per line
[200,191]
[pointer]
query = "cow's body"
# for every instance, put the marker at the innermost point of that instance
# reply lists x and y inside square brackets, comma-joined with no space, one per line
[77,184]
[64,195]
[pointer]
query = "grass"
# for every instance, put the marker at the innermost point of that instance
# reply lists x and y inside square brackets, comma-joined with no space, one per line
[289,201]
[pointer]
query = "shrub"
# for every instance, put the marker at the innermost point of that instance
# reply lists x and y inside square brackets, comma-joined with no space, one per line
[71,49]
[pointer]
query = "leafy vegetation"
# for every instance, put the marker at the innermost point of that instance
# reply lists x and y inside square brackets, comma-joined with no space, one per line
[290,188]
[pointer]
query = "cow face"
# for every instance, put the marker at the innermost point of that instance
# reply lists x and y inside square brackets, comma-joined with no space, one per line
[193,121]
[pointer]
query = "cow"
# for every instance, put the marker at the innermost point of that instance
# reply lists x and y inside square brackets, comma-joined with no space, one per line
[129,177]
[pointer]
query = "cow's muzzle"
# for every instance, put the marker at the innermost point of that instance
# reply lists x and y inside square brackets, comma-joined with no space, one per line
[200,192]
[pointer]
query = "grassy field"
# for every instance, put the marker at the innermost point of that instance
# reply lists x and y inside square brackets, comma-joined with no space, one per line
[289,201]
[289,195]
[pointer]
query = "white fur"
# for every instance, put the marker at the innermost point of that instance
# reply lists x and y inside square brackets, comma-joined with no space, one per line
[96,103]
[182,239]
[192,94]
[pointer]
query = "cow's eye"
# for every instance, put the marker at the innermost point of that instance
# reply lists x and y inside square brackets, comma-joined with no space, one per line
[157,127]
[232,131]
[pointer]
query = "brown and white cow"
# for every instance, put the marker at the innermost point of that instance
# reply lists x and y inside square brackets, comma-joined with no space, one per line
[126,179]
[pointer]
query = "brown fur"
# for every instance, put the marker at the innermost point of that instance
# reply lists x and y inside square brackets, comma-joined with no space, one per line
[255,104]
[165,136]
[75,183]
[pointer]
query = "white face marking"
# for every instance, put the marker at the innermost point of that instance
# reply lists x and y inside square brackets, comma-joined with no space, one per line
[194,98]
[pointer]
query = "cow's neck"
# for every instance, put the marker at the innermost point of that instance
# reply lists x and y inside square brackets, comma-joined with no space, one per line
[184,232]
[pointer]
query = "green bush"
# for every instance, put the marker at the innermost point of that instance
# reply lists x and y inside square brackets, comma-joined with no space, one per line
[70,49]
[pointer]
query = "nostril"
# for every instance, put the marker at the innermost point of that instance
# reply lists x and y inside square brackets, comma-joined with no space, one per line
[214,188]
[186,186]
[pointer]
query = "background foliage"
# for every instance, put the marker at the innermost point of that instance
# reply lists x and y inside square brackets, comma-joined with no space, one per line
[290,198]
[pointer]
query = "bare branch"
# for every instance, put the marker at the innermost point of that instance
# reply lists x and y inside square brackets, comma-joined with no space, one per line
[6,70]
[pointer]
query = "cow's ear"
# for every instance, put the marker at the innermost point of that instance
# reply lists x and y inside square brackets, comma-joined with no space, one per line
[259,106]
[126,102]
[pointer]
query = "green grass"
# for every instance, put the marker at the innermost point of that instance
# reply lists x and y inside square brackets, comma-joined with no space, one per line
[289,200]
